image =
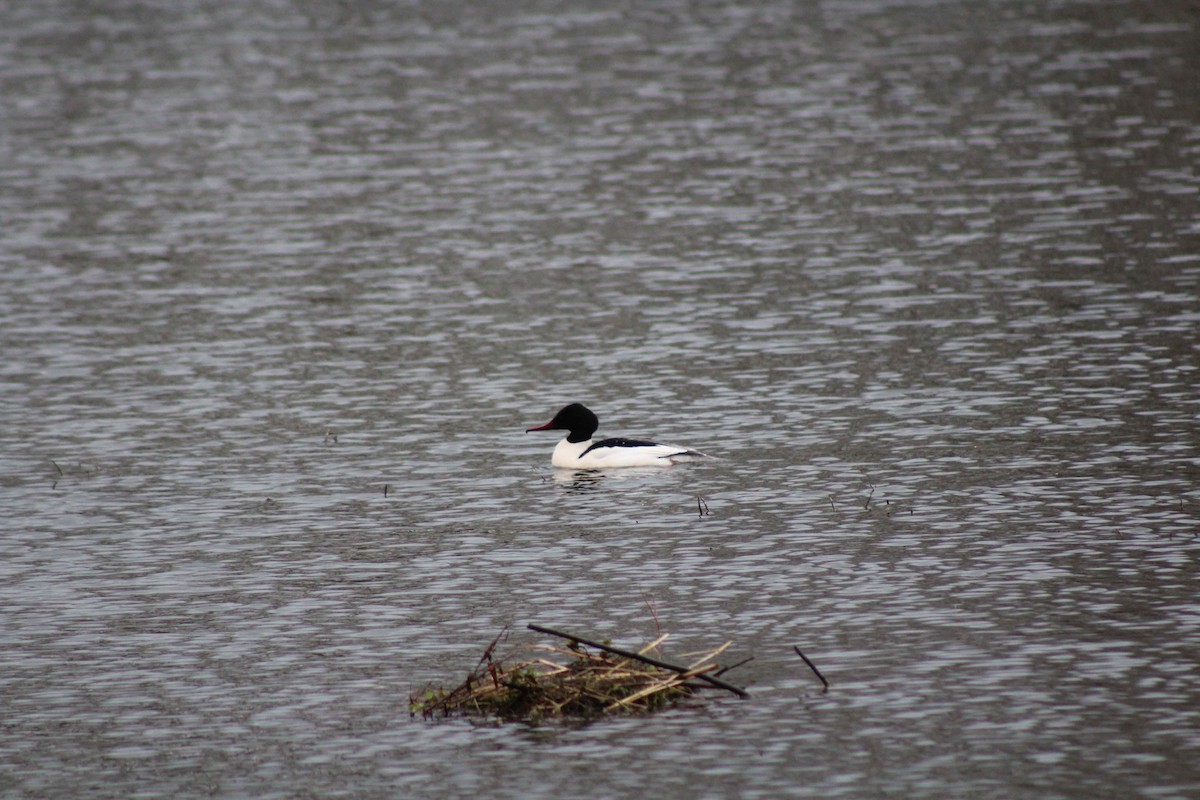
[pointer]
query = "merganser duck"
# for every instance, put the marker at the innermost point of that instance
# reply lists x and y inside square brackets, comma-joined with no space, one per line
[578,451]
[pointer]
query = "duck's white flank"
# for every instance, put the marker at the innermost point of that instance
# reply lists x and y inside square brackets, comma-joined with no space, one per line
[575,455]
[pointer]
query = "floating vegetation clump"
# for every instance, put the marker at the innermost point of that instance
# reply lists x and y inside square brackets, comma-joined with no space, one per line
[594,679]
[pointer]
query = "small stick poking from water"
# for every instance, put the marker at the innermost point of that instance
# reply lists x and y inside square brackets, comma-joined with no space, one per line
[869,496]
[653,609]
[831,505]
[723,670]
[385,488]
[813,667]
[703,512]
[487,654]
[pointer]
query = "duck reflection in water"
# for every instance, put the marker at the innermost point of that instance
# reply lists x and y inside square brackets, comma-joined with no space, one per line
[590,480]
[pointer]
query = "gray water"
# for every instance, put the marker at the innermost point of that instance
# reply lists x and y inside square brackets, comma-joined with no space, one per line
[925,276]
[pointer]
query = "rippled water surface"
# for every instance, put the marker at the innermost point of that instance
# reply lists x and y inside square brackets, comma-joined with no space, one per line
[924,275]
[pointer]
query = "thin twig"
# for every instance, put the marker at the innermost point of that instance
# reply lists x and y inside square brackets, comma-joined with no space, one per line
[706,656]
[654,645]
[645,659]
[812,666]
[723,670]
[555,668]
[487,654]
[653,609]
[580,654]
[653,688]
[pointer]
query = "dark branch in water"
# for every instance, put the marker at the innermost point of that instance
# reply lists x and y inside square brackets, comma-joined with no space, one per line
[813,667]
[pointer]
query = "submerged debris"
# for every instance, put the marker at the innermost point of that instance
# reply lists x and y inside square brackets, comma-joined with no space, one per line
[596,679]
